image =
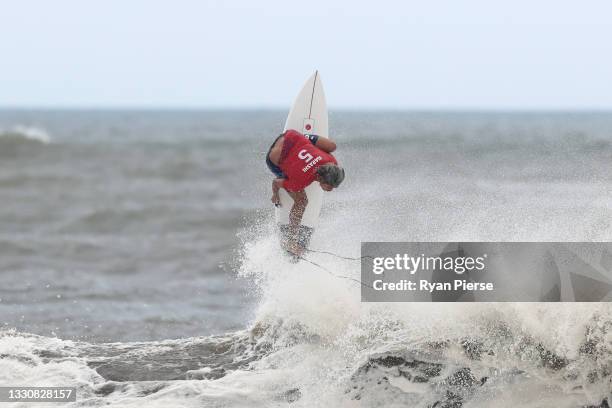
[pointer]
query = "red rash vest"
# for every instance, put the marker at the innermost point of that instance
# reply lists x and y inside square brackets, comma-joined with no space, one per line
[299,161]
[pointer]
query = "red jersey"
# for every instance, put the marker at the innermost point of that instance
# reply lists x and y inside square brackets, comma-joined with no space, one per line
[300,159]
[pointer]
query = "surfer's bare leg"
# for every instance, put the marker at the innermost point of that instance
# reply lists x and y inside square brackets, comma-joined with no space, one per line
[300,201]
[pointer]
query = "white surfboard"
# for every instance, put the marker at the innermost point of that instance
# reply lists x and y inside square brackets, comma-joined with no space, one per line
[308,115]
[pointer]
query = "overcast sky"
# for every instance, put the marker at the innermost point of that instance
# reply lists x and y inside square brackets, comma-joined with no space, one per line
[424,54]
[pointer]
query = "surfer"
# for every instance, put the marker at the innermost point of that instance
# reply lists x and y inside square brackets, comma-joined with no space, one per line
[297,160]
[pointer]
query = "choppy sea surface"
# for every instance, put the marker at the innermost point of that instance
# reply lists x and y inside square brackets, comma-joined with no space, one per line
[138,261]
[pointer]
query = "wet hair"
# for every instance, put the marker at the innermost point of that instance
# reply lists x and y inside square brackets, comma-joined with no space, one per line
[331,174]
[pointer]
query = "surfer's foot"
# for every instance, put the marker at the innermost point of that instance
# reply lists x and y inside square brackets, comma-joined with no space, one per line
[293,258]
[295,248]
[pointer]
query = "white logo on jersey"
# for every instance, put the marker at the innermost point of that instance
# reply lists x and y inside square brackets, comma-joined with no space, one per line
[311,164]
[308,158]
[304,155]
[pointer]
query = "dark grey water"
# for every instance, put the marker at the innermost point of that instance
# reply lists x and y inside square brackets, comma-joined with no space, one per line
[115,226]
[149,226]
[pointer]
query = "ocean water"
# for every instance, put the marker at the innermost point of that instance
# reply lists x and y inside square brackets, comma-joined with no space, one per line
[138,260]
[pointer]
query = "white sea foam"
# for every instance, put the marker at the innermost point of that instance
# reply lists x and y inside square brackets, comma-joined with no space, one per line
[319,346]
[29,133]
[323,334]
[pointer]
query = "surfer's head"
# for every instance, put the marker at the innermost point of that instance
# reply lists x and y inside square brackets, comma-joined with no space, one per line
[330,176]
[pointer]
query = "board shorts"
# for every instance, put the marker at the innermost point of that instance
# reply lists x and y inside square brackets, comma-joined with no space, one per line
[273,167]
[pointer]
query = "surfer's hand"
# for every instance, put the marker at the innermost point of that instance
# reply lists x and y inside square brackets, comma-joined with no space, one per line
[275,199]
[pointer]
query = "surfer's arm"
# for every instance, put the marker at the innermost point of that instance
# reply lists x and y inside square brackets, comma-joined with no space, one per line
[325,144]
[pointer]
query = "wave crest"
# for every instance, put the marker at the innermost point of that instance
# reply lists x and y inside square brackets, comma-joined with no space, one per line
[21,134]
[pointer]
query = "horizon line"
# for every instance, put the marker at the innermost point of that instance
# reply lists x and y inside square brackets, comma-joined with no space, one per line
[251,108]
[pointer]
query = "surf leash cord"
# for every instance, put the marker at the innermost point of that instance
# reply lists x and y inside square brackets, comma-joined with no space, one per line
[330,272]
[348,258]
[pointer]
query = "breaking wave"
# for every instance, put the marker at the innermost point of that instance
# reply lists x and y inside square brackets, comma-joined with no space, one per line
[312,343]
[24,134]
